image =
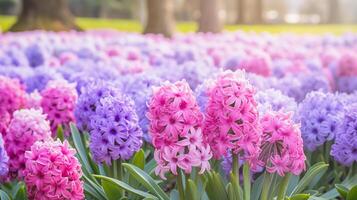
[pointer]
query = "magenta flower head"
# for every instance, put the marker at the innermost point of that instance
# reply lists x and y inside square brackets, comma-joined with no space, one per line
[175,121]
[5,118]
[53,171]
[58,102]
[232,120]
[26,127]
[282,145]
[12,95]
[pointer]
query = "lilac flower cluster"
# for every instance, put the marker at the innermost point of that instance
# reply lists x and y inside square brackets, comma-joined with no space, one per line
[321,114]
[115,132]
[140,89]
[274,100]
[344,150]
[89,101]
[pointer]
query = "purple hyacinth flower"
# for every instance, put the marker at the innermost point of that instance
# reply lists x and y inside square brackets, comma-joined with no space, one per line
[344,150]
[140,88]
[115,132]
[89,100]
[320,115]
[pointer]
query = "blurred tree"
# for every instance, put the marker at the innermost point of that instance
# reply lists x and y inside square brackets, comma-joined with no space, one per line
[160,17]
[209,20]
[7,6]
[241,9]
[258,12]
[334,11]
[51,15]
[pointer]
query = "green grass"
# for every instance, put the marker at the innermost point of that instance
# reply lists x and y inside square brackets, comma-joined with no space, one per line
[135,26]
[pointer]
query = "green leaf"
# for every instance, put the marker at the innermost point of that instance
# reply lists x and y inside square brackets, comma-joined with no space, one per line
[4,196]
[352,194]
[191,191]
[112,191]
[150,166]
[60,134]
[257,187]
[300,197]
[88,189]
[78,144]
[174,195]
[21,193]
[342,190]
[246,181]
[294,180]
[236,187]
[309,176]
[126,187]
[139,159]
[230,191]
[214,186]
[146,180]
[348,182]
[96,188]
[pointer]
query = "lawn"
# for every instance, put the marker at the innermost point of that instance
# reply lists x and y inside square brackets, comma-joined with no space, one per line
[134,26]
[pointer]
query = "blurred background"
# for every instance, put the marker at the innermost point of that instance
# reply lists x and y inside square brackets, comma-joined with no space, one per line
[134,15]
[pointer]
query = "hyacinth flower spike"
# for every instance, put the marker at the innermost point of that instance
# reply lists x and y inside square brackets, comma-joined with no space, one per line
[282,150]
[232,123]
[175,128]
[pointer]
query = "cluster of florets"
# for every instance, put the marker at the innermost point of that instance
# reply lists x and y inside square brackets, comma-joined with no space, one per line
[320,115]
[344,150]
[282,145]
[26,127]
[58,102]
[232,120]
[53,172]
[175,121]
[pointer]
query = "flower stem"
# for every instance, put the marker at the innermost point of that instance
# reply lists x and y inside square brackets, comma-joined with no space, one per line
[246,181]
[266,184]
[235,172]
[283,186]
[180,185]
[117,169]
[235,168]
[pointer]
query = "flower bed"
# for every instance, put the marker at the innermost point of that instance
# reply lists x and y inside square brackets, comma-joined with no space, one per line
[111,115]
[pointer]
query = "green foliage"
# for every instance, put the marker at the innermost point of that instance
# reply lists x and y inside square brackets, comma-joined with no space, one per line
[114,186]
[191,191]
[352,193]
[4,195]
[342,190]
[308,177]
[60,133]
[147,181]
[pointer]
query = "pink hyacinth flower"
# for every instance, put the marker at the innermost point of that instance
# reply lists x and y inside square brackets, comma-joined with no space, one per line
[175,121]
[282,145]
[53,172]
[232,121]
[58,102]
[26,127]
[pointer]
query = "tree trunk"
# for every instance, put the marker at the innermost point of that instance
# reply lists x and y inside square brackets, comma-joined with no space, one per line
[52,15]
[334,11]
[258,12]
[160,18]
[241,9]
[209,20]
